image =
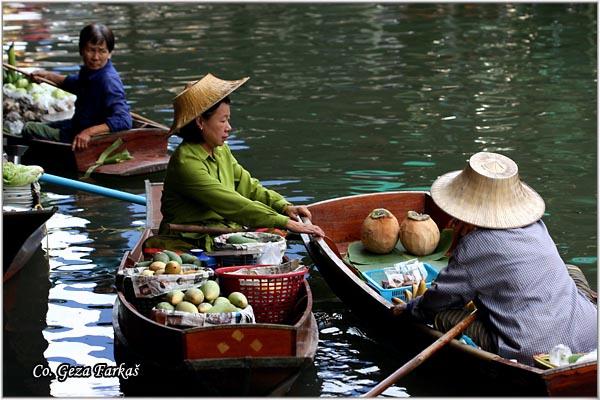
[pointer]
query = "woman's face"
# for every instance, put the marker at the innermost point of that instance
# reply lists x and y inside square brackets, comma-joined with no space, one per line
[216,128]
[95,56]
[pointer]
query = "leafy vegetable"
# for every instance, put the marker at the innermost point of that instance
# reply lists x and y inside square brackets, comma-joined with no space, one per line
[19,174]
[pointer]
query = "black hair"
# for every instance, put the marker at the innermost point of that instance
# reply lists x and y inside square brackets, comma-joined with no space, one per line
[96,34]
[191,132]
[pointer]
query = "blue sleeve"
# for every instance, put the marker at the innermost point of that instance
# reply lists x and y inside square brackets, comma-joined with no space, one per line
[117,109]
[71,84]
[451,289]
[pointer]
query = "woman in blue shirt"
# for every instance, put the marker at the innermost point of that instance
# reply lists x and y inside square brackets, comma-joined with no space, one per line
[100,106]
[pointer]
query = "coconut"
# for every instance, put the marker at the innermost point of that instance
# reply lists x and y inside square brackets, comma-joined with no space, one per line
[379,232]
[419,234]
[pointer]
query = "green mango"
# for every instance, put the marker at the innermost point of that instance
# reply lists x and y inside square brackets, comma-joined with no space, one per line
[240,239]
[238,299]
[187,258]
[161,256]
[173,256]
[211,290]
[163,305]
[186,306]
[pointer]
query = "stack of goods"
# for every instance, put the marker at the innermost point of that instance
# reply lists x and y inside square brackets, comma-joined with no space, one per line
[177,290]
[20,187]
[25,101]
[251,248]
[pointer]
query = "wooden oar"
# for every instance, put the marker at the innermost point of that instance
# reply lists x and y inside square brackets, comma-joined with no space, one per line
[49,82]
[422,356]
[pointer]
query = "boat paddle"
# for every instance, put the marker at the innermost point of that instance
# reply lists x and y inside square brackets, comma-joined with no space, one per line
[88,187]
[49,82]
[422,356]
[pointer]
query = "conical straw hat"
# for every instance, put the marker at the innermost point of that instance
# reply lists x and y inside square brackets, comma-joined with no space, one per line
[488,193]
[199,97]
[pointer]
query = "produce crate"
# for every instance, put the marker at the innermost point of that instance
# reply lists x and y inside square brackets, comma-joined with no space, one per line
[375,276]
[272,297]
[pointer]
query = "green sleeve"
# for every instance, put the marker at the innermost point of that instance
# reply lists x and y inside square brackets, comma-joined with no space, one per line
[195,182]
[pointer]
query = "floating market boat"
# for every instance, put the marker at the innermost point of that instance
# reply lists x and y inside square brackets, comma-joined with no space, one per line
[146,145]
[23,233]
[255,359]
[468,367]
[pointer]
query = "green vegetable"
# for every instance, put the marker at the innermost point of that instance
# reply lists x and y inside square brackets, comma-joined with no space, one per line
[59,94]
[22,83]
[240,239]
[574,357]
[19,174]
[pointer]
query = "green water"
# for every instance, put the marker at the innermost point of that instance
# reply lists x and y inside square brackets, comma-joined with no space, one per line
[343,99]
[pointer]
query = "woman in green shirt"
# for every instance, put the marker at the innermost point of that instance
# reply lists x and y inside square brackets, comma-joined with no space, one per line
[205,185]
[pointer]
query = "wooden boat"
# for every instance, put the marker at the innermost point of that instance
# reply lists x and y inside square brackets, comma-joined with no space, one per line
[23,233]
[147,145]
[486,373]
[225,360]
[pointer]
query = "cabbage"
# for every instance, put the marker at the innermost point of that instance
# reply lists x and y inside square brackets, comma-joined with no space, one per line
[19,174]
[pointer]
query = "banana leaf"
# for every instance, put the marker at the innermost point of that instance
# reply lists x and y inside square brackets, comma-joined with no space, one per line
[107,158]
[364,260]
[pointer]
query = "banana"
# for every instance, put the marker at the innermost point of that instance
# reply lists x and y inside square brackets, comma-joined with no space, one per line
[422,287]
[470,306]
[415,288]
[408,294]
[397,300]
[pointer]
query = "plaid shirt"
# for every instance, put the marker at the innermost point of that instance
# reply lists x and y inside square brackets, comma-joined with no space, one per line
[522,289]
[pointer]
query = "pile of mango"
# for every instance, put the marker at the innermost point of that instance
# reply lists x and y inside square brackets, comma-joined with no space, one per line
[169,262]
[205,299]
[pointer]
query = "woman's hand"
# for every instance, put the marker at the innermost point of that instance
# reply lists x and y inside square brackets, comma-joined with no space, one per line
[297,211]
[299,227]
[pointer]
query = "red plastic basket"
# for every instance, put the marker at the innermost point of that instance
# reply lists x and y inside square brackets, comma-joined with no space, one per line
[272,297]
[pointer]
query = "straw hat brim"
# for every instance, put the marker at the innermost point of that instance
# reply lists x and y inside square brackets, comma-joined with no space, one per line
[494,204]
[199,97]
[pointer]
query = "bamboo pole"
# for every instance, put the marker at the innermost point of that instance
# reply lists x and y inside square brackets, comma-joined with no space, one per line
[422,356]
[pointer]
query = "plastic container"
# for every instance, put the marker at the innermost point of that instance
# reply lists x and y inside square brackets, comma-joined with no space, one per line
[272,297]
[375,276]
[206,260]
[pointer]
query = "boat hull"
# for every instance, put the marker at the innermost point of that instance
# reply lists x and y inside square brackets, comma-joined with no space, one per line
[211,375]
[147,146]
[23,233]
[223,360]
[484,373]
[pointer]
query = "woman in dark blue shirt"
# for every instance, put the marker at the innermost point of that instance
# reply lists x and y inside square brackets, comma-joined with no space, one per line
[100,106]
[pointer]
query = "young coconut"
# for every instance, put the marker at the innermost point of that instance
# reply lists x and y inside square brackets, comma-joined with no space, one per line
[379,232]
[419,234]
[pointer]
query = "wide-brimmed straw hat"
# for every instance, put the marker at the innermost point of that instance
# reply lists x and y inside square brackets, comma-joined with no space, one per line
[199,96]
[488,193]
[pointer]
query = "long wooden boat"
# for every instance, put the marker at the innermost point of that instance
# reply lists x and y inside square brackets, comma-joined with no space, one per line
[489,373]
[224,360]
[23,232]
[147,145]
